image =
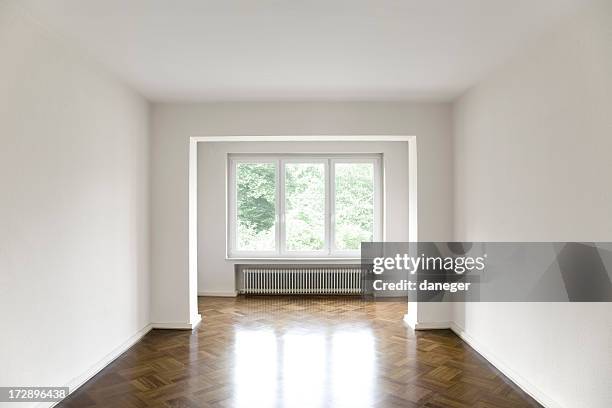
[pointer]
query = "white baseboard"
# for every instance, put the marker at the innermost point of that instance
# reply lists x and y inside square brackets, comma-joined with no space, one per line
[425,326]
[432,326]
[218,294]
[520,381]
[179,325]
[516,378]
[77,382]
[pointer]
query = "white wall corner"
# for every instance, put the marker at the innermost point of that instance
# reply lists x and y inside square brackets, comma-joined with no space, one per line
[537,394]
[416,325]
[192,289]
[218,294]
[190,325]
[428,315]
[410,318]
[78,381]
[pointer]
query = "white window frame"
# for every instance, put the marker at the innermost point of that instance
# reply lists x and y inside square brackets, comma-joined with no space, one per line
[280,160]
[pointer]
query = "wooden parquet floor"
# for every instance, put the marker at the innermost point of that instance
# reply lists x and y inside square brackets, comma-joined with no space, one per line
[300,352]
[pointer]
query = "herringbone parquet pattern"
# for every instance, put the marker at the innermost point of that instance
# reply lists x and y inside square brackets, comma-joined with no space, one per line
[288,352]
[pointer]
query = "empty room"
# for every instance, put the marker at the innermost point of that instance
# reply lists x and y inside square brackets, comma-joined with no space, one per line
[393,203]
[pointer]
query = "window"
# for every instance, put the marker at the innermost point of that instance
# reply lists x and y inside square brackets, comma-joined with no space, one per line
[303,206]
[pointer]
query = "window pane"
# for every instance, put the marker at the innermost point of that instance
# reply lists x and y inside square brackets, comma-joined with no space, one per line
[255,206]
[305,206]
[354,204]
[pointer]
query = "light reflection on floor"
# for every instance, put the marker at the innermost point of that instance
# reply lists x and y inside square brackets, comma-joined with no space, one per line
[304,368]
[255,369]
[353,368]
[299,352]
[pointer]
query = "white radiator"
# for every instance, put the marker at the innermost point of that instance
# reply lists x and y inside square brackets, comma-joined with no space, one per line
[290,279]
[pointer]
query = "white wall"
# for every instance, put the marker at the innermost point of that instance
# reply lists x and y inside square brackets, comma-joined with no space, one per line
[215,272]
[173,124]
[532,163]
[74,246]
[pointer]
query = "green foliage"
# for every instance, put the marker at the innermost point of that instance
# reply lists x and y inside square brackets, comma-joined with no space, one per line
[354,204]
[256,195]
[304,205]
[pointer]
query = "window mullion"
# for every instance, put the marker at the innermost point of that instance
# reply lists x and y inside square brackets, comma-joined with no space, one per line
[379,200]
[231,216]
[280,207]
[332,209]
[327,220]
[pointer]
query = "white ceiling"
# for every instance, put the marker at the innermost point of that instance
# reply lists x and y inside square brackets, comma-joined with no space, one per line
[188,50]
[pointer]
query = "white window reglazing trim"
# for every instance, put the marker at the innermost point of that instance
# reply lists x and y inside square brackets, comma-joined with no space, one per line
[280,160]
